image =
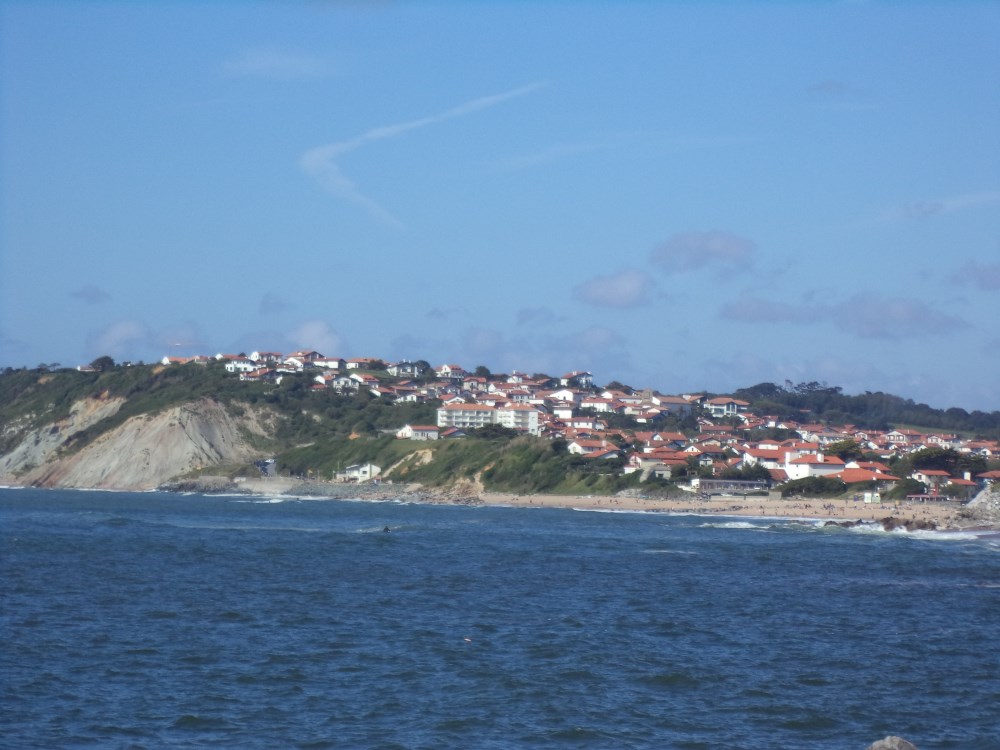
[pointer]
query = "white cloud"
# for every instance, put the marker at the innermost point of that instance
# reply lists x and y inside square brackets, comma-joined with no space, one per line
[922,209]
[693,251]
[321,162]
[317,335]
[119,340]
[628,288]
[276,64]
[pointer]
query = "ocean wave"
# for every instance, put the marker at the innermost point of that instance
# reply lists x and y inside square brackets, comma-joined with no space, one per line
[735,525]
[662,551]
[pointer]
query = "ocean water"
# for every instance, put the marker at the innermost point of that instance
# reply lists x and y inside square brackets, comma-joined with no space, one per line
[165,621]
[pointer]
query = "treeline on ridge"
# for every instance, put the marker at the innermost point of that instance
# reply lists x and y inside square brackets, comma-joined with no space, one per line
[818,402]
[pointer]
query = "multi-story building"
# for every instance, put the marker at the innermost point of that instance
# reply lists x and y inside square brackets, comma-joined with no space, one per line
[522,417]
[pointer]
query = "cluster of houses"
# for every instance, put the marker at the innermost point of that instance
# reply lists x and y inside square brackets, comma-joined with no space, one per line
[571,408]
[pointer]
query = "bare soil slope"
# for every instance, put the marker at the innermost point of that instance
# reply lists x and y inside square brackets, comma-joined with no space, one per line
[140,454]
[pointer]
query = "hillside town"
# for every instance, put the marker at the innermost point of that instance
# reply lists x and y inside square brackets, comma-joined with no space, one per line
[638,428]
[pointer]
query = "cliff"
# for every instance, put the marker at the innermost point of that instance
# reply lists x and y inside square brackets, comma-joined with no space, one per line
[139,454]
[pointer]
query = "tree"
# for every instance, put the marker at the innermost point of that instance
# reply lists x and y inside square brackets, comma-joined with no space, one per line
[482,371]
[760,391]
[757,472]
[848,449]
[813,487]
[493,431]
[102,364]
[615,385]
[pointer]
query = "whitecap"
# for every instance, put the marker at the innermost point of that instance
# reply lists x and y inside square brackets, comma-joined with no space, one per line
[660,551]
[732,525]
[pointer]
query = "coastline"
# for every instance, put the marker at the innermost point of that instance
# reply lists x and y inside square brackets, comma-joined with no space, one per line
[893,515]
[943,516]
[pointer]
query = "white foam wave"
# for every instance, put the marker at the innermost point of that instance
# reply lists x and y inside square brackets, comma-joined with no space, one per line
[621,511]
[733,525]
[685,552]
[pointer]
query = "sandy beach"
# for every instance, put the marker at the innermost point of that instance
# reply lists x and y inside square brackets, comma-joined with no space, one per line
[941,514]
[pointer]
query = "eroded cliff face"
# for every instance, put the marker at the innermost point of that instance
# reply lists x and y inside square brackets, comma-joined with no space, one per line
[140,454]
[38,447]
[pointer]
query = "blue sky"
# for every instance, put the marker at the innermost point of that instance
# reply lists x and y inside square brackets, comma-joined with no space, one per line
[683,196]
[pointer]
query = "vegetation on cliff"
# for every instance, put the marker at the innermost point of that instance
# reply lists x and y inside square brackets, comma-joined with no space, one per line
[317,433]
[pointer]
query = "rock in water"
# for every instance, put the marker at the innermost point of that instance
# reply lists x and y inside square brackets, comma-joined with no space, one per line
[892,743]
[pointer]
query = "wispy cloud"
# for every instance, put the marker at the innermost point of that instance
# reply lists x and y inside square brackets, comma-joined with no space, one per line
[597,348]
[120,339]
[317,335]
[867,315]
[874,317]
[91,294]
[448,313]
[693,251]
[272,304]
[628,288]
[985,276]
[556,153]
[11,347]
[277,64]
[834,94]
[758,310]
[922,209]
[537,316]
[321,162]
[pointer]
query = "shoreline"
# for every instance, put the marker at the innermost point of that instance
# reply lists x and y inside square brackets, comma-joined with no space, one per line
[943,516]
[927,516]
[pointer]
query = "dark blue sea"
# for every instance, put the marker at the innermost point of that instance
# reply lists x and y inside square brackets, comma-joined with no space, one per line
[165,621]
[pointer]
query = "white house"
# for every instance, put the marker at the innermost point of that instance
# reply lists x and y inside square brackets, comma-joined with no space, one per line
[450,372]
[813,465]
[418,432]
[405,369]
[577,379]
[265,356]
[359,473]
[330,363]
[243,364]
[725,406]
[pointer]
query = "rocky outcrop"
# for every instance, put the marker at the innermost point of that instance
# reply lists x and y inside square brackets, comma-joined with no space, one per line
[142,453]
[890,523]
[892,743]
[983,509]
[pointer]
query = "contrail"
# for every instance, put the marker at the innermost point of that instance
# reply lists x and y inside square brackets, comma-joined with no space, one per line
[321,162]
